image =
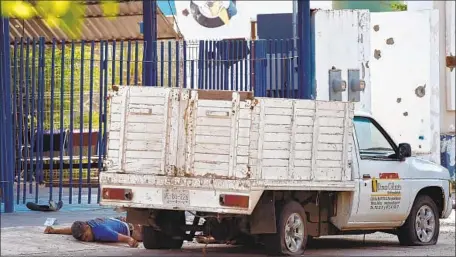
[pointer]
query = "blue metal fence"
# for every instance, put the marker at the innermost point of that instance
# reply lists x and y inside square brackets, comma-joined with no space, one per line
[59,94]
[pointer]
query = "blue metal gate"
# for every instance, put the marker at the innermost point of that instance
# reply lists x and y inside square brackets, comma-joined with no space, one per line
[59,91]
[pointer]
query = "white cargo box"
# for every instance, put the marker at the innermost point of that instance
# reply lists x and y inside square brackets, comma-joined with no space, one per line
[227,140]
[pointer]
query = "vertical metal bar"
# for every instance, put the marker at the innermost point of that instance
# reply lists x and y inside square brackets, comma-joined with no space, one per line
[200,64]
[143,63]
[283,74]
[104,45]
[81,120]
[71,143]
[248,71]
[226,63]
[15,113]
[262,47]
[105,125]
[150,37]
[289,67]
[121,62]
[41,104]
[192,74]
[26,118]
[269,57]
[162,64]
[185,62]
[276,66]
[231,56]
[170,70]
[258,79]
[32,118]
[238,60]
[7,133]
[304,50]
[205,65]
[113,67]
[51,133]
[89,157]
[62,113]
[136,62]
[213,64]
[241,65]
[177,63]
[312,56]
[261,66]
[218,67]
[293,72]
[128,61]
[20,96]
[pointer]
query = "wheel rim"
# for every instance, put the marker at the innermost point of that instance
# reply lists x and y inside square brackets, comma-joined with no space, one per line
[294,233]
[425,224]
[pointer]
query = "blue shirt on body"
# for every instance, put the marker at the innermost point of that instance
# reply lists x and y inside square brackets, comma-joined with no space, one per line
[107,230]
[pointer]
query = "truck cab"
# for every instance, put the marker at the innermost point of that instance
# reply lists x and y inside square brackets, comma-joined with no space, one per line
[390,180]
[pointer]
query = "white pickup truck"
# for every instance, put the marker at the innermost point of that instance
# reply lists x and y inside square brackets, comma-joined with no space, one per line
[277,171]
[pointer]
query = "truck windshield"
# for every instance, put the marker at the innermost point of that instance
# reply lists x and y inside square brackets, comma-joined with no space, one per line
[371,141]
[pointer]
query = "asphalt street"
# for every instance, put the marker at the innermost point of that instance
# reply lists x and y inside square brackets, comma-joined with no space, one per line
[22,234]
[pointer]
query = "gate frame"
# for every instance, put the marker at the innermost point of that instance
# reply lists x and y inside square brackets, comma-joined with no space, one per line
[6,157]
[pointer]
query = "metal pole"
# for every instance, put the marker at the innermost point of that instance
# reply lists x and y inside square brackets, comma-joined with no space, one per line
[304,50]
[150,42]
[6,115]
[295,31]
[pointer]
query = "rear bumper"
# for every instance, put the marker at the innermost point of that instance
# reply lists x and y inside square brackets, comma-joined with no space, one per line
[148,191]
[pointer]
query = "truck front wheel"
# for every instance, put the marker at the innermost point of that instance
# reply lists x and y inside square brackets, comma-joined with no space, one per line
[291,236]
[422,226]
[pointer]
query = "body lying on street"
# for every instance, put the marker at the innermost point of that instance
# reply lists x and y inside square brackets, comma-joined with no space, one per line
[102,230]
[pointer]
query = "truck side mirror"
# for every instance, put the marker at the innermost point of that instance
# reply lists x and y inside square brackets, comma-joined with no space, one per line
[405,150]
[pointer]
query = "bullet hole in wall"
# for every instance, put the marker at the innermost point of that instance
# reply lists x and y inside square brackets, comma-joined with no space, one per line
[377,54]
[390,41]
[420,91]
[376,28]
[405,114]
[398,100]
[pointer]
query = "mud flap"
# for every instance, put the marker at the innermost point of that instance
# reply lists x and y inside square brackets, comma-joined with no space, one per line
[263,218]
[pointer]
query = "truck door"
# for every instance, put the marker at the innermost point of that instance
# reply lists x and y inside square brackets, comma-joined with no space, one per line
[383,193]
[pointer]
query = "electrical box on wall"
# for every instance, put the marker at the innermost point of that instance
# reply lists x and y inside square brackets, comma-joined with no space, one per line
[355,85]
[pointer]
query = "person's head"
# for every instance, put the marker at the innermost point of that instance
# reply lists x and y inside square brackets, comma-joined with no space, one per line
[82,231]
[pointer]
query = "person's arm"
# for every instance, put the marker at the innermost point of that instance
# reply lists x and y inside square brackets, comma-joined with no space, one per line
[61,231]
[106,234]
[129,240]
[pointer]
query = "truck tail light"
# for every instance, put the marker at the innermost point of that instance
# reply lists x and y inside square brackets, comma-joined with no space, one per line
[121,194]
[241,201]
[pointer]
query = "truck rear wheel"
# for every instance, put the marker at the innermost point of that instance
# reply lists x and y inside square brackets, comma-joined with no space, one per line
[291,236]
[422,226]
[171,237]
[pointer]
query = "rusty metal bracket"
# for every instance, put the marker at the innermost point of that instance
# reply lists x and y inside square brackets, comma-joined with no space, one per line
[451,62]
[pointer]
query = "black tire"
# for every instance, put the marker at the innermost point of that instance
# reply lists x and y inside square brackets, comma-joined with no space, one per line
[408,235]
[170,222]
[276,244]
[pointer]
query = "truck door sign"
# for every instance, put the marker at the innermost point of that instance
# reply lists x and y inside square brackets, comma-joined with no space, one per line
[386,192]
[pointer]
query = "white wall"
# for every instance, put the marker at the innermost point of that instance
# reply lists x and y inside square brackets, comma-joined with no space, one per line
[446,10]
[239,25]
[409,58]
[447,47]
[342,41]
